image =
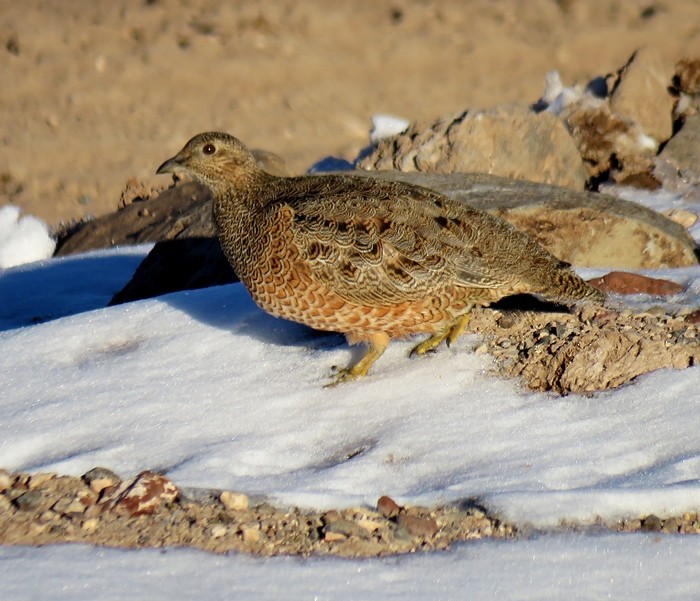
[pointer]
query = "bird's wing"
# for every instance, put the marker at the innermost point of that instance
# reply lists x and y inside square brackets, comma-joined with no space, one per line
[378,243]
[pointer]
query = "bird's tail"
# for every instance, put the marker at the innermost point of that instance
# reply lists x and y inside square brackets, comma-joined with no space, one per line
[570,288]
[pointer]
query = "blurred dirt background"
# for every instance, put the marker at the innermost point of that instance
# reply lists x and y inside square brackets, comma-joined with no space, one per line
[95,92]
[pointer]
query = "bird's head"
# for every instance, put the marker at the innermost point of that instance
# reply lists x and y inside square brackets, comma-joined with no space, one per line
[212,158]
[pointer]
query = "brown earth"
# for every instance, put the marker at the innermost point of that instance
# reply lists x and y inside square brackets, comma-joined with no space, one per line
[96,92]
[46,508]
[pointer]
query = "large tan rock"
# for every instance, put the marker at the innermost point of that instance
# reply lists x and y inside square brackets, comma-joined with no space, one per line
[510,141]
[642,93]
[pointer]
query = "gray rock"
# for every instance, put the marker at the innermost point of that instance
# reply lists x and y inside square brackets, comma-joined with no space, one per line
[683,150]
[183,210]
[511,141]
[99,478]
[180,264]
[29,501]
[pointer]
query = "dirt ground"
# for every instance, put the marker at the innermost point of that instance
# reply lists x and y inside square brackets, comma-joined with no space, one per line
[95,92]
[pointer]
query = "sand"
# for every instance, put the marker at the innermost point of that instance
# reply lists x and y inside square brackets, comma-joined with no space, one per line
[97,92]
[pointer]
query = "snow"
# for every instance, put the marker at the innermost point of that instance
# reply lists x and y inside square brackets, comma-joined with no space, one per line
[205,387]
[22,240]
[543,568]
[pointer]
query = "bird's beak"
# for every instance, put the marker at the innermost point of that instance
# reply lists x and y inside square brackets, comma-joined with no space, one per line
[174,165]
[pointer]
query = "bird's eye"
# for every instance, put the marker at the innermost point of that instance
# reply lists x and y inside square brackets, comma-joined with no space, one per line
[209,149]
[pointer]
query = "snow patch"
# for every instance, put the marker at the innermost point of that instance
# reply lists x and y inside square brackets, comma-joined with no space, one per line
[23,240]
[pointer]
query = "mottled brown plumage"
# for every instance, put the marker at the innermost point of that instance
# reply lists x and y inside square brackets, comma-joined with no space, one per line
[372,259]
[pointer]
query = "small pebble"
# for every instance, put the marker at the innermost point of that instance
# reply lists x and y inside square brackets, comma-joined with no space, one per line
[330,516]
[346,528]
[145,494]
[671,526]
[218,531]
[28,501]
[369,525]
[334,537]
[68,506]
[38,479]
[251,534]
[652,523]
[47,516]
[388,507]
[417,526]
[90,525]
[99,478]
[234,501]
[506,321]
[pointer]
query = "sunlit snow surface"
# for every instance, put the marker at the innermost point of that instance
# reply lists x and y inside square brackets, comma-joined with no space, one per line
[205,387]
[22,239]
[561,567]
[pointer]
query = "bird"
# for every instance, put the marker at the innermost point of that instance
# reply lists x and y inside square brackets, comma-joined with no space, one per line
[375,260]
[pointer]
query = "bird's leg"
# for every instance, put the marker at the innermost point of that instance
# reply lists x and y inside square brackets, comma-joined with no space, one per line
[377,345]
[449,334]
[458,327]
[431,343]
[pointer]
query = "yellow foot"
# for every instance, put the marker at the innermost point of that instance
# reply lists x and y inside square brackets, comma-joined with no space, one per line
[449,335]
[377,346]
[457,328]
[430,344]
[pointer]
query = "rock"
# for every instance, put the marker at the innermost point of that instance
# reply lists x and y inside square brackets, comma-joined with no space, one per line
[693,317]
[38,480]
[418,526]
[180,264]
[334,537]
[682,151]
[510,141]
[99,478]
[600,355]
[687,76]
[586,229]
[345,527]
[90,525]
[234,501]
[71,506]
[622,282]
[251,534]
[162,218]
[610,144]
[671,526]
[652,523]
[29,501]
[368,524]
[642,93]
[684,218]
[686,82]
[388,507]
[218,531]
[144,494]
